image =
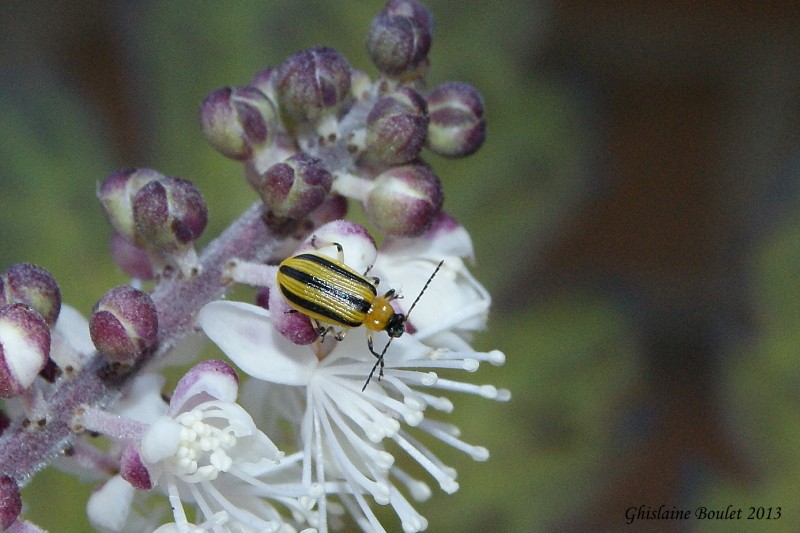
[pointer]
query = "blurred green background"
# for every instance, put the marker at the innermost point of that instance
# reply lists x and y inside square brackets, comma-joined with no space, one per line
[634,213]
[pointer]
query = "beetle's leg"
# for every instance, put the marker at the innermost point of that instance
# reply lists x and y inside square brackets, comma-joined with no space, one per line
[375,280]
[391,294]
[376,354]
[369,344]
[323,331]
[378,363]
[339,250]
[320,329]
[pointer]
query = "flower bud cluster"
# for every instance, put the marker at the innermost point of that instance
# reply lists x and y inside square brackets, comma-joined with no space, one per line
[312,133]
[313,128]
[157,214]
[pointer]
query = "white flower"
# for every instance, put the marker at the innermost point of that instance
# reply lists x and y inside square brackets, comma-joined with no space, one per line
[206,451]
[342,430]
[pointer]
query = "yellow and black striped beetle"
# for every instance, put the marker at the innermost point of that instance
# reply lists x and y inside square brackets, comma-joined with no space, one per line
[330,292]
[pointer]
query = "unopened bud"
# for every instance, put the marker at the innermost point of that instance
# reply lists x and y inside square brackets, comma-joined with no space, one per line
[170,213]
[405,200]
[456,126]
[134,261]
[10,502]
[133,470]
[293,188]
[124,325]
[116,195]
[264,81]
[397,127]
[400,38]
[34,286]
[24,348]
[312,83]
[238,121]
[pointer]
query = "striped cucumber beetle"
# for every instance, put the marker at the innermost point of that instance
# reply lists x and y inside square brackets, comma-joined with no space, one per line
[330,292]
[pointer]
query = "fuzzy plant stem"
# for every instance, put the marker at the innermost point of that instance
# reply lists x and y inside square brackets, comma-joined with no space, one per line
[28,445]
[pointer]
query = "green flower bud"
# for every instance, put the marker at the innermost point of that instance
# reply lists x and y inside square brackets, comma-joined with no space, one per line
[405,200]
[400,37]
[456,127]
[116,196]
[169,213]
[34,286]
[293,188]
[24,348]
[238,121]
[397,127]
[124,325]
[312,83]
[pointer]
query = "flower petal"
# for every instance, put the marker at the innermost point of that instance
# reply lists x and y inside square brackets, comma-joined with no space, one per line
[247,337]
[208,380]
[446,237]
[109,506]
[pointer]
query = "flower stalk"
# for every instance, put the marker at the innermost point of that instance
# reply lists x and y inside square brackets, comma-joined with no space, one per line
[305,440]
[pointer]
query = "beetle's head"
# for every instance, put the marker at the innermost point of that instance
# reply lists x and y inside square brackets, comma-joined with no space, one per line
[396,325]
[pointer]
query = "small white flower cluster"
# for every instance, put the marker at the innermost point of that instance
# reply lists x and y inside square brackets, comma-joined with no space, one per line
[205,451]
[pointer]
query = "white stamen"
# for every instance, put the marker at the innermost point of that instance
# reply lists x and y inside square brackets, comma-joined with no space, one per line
[428,461]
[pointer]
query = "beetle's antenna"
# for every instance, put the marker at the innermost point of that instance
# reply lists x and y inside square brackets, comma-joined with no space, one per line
[424,288]
[380,357]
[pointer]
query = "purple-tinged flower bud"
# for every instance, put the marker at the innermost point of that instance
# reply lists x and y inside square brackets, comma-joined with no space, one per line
[134,261]
[397,126]
[400,37]
[24,348]
[238,121]
[456,126]
[116,195]
[312,83]
[133,470]
[264,81]
[333,208]
[124,325]
[262,297]
[405,200]
[413,9]
[34,286]
[293,188]
[10,502]
[170,213]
